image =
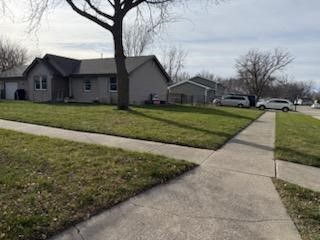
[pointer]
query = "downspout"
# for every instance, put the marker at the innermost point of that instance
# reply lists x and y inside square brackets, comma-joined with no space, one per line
[4,89]
[70,88]
[216,91]
[205,96]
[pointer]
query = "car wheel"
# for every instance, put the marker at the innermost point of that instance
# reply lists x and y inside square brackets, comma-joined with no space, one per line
[262,107]
[285,109]
[240,105]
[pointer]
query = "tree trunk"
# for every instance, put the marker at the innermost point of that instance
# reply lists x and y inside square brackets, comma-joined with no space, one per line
[122,73]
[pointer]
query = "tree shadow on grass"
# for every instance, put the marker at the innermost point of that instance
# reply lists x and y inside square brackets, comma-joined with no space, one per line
[299,157]
[180,125]
[200,110]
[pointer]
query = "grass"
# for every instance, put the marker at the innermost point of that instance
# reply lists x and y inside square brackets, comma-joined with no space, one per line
[47,184]
[190,126]
[303,206]
[298,139]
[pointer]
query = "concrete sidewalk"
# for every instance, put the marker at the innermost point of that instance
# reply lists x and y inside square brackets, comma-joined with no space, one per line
[307,110]
[195,155]
[304,176]
[230,196]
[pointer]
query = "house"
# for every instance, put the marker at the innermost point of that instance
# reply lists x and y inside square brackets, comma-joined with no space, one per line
[195,90]
[55,78]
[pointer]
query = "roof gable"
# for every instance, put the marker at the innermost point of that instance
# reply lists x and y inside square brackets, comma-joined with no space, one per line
[37,61]
[203,81]
[189,82]
[65,66]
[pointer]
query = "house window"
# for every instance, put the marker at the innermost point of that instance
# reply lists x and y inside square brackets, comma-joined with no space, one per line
[113,87]
[87,85]
[44,82]
[40,82]
[37,83]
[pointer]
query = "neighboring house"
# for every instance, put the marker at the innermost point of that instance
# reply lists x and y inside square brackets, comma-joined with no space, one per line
[54,78]
[12,80]
[195,90]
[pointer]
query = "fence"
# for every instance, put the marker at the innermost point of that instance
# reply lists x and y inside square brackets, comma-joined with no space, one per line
[187,99]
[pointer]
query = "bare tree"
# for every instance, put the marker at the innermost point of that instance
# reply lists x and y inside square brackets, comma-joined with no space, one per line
[183,76]
[140,35]
[3,6]
[109,14]
[173,61]
[256,69]
[290,89]
[207,75]
[11,55]
[233,85]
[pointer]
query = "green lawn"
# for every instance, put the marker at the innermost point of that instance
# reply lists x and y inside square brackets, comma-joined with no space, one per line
[190,126]
[303,206]
[298,139]
[47,184]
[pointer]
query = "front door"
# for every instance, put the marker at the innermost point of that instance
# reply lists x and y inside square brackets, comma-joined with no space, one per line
[11,88]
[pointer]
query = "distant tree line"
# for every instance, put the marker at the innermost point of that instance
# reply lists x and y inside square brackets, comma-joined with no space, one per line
[279,88]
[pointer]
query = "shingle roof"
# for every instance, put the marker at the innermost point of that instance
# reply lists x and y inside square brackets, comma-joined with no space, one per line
[107,65]
[65,66]
[15,72]
[68,66]
[205,82]
[189,82]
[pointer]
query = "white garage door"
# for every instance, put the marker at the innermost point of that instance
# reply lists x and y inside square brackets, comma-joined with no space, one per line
[11,88]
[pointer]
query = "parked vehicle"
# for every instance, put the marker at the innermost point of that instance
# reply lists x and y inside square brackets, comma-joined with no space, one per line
[233,101]
[276,103]
[252,98]
[217,101]
[305,101]
[316,106]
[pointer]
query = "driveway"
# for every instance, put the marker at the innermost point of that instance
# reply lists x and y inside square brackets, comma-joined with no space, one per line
[309,111]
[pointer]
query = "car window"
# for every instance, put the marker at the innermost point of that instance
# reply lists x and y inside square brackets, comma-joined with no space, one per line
[237,98]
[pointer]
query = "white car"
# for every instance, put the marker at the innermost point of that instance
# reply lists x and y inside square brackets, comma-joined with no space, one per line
[234,101]
[316,106]
[276,103]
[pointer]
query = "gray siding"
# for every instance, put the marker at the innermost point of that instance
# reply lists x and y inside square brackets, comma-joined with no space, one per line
[80,95]
[40,95]
[188,93]
[99,92]
[146,80]
[1,89]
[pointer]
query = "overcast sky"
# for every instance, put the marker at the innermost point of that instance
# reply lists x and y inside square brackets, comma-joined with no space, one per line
[214,37]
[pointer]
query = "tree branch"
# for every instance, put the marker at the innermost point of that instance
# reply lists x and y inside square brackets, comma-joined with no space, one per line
[89,16]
